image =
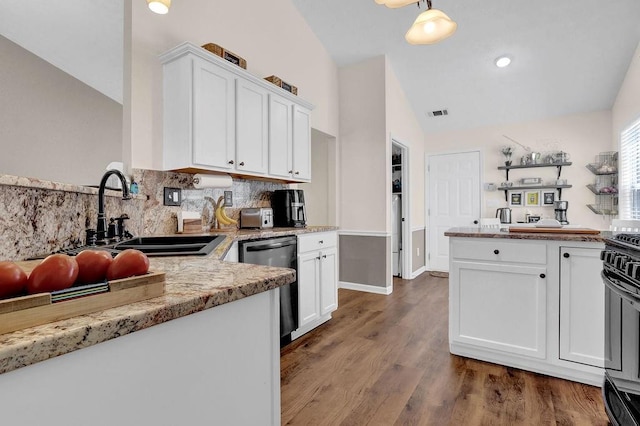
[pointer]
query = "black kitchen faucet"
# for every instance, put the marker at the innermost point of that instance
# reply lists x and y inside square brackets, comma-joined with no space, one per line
[101,229]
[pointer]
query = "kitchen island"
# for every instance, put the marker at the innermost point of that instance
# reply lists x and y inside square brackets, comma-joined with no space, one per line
[534,301]
[206,351]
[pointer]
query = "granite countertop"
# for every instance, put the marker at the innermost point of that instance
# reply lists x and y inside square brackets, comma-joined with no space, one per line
[474,232]
[193,284]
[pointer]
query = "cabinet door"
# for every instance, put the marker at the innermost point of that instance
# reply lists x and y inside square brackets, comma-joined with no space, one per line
[213,116]
[280,137]
[308,288]
[301,143]
[328,281]
[498,306]
[251,127]
[581,306]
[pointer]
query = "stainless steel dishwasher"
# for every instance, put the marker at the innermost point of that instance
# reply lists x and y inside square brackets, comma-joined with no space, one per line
[281,252]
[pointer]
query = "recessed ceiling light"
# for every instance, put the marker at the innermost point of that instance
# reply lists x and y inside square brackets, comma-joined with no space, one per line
[503,61]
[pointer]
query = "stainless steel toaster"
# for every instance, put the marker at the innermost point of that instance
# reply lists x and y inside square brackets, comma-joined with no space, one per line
[256,218]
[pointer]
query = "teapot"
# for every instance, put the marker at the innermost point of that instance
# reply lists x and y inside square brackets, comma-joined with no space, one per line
[504,214]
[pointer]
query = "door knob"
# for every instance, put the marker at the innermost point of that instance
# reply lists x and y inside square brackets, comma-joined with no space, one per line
[542,275]
[566,255]
[475,222]
[242,163]
[496,251]
[230,161]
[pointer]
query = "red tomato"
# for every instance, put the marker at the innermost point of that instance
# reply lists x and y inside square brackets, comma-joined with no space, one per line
[128,263]
[13,280]
[55,272]
[93,265]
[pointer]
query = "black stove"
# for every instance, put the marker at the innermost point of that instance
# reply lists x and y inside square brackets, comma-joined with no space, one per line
[621,277]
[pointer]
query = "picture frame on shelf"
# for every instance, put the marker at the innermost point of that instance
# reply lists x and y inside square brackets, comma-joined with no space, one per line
[532,198]
[548,198]
[515,199]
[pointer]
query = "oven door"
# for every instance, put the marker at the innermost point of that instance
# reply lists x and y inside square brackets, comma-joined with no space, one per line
[621,388]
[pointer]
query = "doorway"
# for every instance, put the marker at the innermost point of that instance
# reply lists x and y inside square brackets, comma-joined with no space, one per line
[400,243]
[453,184]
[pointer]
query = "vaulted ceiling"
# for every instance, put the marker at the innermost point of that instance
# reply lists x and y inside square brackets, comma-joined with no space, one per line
[569,56]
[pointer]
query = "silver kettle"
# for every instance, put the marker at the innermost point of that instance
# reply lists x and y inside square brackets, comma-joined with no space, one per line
[504,214]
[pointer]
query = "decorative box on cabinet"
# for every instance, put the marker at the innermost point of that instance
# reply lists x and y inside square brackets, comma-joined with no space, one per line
[218,117]
[317,280]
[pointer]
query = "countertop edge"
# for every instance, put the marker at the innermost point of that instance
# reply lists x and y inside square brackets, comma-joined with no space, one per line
[480,233]
[188,291]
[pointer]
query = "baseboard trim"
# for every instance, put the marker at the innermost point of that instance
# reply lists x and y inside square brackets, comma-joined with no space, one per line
[418,272]
[366,288]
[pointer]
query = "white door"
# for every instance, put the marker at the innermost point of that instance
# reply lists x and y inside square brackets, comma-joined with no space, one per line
[308,287]
[252,143]
[453,182]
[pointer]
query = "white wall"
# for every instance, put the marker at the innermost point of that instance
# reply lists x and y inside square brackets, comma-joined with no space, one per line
[272,36]
[53,126]
[319,191]
[583,136]
[403,126]
[364,199]
[626,109]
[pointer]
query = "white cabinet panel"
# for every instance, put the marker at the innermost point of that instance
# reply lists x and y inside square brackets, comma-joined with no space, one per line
[328,281]
[499,307]
[301,143]
[581,306]
[280,136]
[251,127]
[308,288]
[213,116]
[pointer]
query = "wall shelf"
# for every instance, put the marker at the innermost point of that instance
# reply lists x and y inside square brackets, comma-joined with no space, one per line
[533,166]
[506,189]
[605,170]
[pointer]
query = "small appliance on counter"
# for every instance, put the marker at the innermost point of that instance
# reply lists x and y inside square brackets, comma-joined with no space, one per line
[288,208]
[504,214]
[560,208]
[256,218]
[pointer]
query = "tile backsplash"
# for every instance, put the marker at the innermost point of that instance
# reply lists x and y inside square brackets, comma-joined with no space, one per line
[38,217]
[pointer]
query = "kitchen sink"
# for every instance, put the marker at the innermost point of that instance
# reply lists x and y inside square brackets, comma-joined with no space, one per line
[179,245]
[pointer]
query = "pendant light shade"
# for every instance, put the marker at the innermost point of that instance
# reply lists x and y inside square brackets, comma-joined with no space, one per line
[393,4]
[159,6]
[430,27]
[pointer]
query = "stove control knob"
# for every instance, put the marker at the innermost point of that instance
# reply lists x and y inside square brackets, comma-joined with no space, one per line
[620,261]
[609,257]
[632,268]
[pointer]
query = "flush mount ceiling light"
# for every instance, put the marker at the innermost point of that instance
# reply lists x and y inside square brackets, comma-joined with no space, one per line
[430,27]
[159,6]
[503,61]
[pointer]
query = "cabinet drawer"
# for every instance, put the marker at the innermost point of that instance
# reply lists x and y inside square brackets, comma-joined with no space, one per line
[316,241]
[534,252]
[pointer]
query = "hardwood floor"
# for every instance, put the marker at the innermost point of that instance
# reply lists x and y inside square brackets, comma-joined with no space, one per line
[384,360]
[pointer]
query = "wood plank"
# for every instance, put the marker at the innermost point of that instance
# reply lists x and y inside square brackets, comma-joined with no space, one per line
[384,360]
[150,278]
[24,302]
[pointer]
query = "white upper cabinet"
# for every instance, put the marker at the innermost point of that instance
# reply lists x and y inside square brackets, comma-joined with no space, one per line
[218,117]
[280,137]
[251,127]
[301,143]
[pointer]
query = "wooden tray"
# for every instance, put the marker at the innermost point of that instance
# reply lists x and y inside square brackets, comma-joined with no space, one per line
[28,311]
[556,230]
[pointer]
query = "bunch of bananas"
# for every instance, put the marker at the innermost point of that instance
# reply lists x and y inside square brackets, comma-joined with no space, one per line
[221,214]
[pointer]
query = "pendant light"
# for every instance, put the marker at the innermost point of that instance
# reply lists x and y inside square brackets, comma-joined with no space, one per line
[430,27]
[159,6]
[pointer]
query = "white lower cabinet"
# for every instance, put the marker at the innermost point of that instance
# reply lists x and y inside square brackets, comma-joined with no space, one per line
[500,307]
[532,304]
[581,306]
[317,280]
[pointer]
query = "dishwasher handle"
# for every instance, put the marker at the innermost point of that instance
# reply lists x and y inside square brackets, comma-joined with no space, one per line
[269,246]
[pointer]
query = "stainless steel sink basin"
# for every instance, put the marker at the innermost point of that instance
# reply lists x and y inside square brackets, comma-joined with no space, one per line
[179,245]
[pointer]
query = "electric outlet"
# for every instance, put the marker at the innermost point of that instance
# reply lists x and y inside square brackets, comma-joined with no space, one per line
[228,198]
[172,196]
[418,251]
